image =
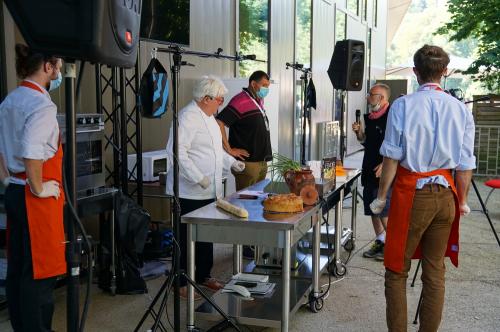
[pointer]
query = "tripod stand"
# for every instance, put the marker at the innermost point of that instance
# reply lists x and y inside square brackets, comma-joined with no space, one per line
[305,111]
[174,279]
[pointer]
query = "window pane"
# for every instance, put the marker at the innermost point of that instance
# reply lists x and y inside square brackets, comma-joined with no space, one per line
[352,6]
[254,34]
[303,37]
[340,33]
[303,56]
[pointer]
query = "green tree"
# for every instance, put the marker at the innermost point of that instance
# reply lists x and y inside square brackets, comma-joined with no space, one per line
[480,20]
[253,34]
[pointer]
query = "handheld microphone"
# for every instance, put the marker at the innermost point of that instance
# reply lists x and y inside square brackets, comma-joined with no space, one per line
[358,116]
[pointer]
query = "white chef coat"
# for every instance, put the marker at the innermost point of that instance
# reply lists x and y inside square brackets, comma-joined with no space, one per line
[28,128]
[200,154]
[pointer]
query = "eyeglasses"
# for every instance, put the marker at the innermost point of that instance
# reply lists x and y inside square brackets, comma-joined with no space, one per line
[373,94]
[219,99]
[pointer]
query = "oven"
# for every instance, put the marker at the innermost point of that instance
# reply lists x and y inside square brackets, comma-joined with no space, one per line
[90,170]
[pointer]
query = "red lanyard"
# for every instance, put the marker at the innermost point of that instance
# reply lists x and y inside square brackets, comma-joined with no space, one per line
[32,86]
[430,86]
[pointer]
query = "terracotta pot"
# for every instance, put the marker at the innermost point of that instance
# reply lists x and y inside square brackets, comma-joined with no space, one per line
[302,184]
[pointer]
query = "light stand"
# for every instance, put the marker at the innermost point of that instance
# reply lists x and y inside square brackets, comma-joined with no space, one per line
[177,53]
[305,110]
[73,248]
[343,136]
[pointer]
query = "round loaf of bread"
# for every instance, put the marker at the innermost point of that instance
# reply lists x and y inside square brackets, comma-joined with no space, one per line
[285,203]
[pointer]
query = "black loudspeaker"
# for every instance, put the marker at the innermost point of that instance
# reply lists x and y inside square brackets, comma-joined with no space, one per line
[347,65]
[103,31]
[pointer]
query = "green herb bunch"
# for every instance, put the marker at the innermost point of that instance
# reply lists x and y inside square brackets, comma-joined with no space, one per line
[280,165]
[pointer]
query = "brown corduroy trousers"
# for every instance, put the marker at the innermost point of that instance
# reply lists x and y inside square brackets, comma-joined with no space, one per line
[432,215]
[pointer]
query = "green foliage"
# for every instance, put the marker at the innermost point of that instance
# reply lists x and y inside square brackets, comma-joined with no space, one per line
[419,26]
[479,20]
[303,32]
[253,34]
[280,165]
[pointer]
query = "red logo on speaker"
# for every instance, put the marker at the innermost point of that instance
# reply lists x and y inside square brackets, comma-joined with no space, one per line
[128,37]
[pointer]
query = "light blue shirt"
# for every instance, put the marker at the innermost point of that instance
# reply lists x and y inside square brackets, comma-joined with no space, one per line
[430,130]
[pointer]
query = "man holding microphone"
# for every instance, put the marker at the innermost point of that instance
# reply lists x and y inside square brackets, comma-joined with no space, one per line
[371,138]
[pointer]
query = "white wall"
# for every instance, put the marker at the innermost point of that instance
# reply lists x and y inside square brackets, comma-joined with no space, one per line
[213,25]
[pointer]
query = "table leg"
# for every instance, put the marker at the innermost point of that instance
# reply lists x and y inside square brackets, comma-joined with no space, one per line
[237,258]
[285,296]
[338,234]
[354,211]
[190,273]
[316,254]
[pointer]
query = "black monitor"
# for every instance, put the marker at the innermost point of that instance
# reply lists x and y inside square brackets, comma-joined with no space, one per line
[165,21]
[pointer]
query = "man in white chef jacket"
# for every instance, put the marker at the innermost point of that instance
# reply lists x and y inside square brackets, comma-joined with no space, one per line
[202,162]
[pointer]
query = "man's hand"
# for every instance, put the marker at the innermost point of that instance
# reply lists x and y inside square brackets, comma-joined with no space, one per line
[238,166]
[378,170]
[377,205]
[464,209]
[356,127]
[205,182]
[239,153]
[49,189]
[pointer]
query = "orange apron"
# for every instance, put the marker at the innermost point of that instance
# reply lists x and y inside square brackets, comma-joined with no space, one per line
[403,192]
[46,220]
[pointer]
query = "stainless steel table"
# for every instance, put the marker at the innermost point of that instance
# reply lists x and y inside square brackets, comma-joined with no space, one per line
[210,224]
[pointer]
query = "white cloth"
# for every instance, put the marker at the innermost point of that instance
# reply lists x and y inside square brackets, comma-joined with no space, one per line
[429,130]
[200,154]
[28,128]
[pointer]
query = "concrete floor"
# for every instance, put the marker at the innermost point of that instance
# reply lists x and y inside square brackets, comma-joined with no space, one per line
[355,303]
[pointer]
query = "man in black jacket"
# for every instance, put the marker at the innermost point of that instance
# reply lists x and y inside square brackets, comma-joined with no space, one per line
[371,137]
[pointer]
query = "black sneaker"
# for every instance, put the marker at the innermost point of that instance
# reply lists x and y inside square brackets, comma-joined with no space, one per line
[379,256]
[376,248]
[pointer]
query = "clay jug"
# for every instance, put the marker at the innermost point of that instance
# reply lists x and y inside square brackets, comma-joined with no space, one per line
[302,184]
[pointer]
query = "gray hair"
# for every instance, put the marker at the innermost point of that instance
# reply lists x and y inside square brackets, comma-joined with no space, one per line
[211,86]
[385,87]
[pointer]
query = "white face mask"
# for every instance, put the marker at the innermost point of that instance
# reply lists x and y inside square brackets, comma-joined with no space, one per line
[374,108]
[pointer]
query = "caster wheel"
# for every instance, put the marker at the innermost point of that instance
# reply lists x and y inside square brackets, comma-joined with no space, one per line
[316,305]
[339,271]
[349,245]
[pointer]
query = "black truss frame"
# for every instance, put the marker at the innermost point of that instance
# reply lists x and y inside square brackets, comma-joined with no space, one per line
[123,125]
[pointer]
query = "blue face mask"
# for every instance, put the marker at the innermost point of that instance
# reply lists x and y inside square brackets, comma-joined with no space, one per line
[54,84]
[262,93]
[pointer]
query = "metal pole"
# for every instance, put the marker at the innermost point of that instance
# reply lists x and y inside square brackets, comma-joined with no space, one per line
[123,134]
[116,128]
[338,232]
[354,211]
[237,259]
[316,252]
[304,122]
[285,296]
[190,273]
[73,252]
[138,134]
[177,213]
